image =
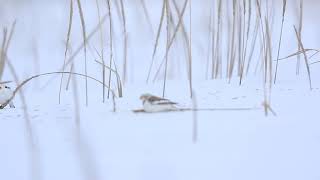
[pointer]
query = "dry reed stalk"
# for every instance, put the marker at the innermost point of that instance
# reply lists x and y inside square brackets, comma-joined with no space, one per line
[146,13]
[280,39]
[301,52]
[218,43]
[314,63]
[111,41]
[176,29]
[246,32]
[102,51]
[125,48]
[167,47]
[229,29]
[180,24]
[36,58]
[210,34]
[5,82]
[117,75]
[76,100]
[213,39]
[299,31]
[83,44]
[23,83]
[190,49]
[269,53]
[208,109]
[5,46]
[3,52]
[253,44]
[13,27]
[72,57]
[157,38]
[85,47]
[267,69]
[67,46]
[259,63]
[195,119]
[264,48]
[232,52]
[115,70]
[71,69]
[184,32]
[119,84]
[240,32]
[69,77]
[304,55]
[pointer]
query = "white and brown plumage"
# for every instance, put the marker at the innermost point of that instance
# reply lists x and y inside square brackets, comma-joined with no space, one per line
[5,94]
[153,103]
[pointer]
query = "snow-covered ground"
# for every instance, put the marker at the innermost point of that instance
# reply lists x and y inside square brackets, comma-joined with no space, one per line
[124,145]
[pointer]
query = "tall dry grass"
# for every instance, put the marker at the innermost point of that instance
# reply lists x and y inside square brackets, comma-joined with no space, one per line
[67,44]
[280,40]
[304,55]
[84,35]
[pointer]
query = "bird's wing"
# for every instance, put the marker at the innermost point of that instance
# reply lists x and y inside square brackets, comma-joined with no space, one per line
[160,101]
[156,98]
[166,102]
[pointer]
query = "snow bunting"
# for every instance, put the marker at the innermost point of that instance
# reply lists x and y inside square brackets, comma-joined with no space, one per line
[5,94]
[153,104]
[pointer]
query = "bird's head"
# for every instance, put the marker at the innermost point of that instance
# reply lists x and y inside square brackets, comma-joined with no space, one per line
[4,87]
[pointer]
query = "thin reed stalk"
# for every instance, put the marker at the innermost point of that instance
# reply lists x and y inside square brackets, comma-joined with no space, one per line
[167,47]
[3,52]
[157,38]
[210,34]
[26,81]
[146,13]
[195,120]
[299,31]
[190,49]
[217,62]
[245,37]
[102,51]
[304,55]
[232,52]
[280,39]
[67,46]
[253,44]
[84,48]
[111,44]
[125,42]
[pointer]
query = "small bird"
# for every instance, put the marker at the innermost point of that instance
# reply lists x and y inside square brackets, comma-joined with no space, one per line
[152,104]
[5,94]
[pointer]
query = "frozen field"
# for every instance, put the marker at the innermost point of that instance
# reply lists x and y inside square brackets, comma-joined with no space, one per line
[123,145]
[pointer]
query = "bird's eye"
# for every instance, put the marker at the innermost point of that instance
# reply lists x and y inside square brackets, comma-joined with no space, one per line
[6,87]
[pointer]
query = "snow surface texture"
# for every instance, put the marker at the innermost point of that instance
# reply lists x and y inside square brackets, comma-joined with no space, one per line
[123,145]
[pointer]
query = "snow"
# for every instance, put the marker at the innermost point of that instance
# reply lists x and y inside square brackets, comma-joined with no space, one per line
[124,145]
